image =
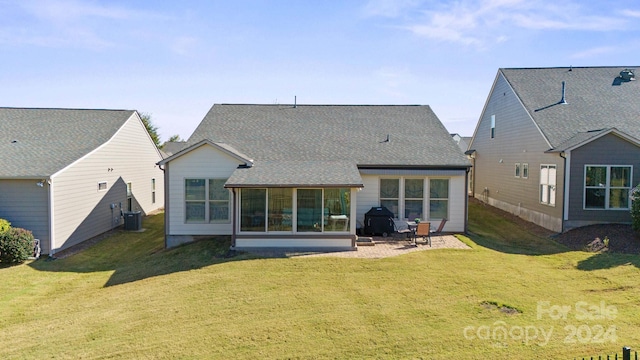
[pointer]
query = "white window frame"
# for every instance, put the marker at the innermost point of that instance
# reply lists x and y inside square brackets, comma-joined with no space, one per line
[405,198]
[493,126]
[525,170]
[517,170]
[548,186]
[400,194]
[153,190]
[447,199]
[207,201]
[607,187]
[106,186]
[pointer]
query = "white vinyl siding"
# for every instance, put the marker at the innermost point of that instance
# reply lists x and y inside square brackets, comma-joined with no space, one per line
[80,212]
[369,197]
[190,166]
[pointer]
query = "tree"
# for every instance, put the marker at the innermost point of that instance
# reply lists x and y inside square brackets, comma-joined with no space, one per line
[152,129]
[174,138]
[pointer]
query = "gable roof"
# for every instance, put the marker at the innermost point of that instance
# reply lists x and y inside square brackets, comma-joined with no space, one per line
[225,148]
[597,99]
[365,135]
[40,142]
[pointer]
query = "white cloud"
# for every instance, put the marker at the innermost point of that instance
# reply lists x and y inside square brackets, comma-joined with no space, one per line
[480,23]
[631,13]
[69,23]
[594,52]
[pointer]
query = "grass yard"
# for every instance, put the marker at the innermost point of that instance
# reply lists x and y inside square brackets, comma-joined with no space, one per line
[126,297]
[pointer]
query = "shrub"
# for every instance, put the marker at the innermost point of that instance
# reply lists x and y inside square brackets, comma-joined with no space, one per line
[4,225]
[635,208]
[16,245]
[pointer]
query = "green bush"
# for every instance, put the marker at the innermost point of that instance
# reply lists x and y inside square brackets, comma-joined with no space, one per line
[635,208]
[16,245]
[4,225]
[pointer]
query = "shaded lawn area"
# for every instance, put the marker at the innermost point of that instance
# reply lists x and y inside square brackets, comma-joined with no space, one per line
[127,297]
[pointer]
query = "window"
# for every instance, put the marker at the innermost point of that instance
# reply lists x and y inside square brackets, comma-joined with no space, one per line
[607,187]
[390,194]
[309,210]
[280,209]
[525,171]
[337,207]
[517,170]
[153,191]
[413,195]
[438,198]
[548,184]
[194,195]
[102,186]
[493,126]
[314,210]
[129,197]
[218,201]
[206,200]
[253,207]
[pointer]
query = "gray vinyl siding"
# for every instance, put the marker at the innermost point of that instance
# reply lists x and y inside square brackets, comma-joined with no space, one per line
[607,150]
[516,140]
[81,211]
[24,204]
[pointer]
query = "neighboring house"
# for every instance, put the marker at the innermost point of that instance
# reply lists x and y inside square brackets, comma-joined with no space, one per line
[171,147]
[462,141]
[463,144]
[560,146]
[66,174]
[304,175]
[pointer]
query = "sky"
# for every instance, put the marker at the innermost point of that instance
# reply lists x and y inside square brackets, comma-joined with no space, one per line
[174,59]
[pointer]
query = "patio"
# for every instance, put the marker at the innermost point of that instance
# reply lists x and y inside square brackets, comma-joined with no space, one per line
[381,247]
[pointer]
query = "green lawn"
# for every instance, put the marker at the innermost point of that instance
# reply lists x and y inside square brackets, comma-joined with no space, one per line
[127,297]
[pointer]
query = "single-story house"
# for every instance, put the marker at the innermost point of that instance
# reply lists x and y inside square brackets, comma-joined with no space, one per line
[305,175]
[559,147]
[68,174]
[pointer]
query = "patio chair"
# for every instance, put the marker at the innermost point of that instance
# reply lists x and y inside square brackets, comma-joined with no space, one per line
[424,230]
[438,231]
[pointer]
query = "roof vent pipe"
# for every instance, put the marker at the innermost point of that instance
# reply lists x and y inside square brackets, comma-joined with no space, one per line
[563,100]
[627,75]
[295,102]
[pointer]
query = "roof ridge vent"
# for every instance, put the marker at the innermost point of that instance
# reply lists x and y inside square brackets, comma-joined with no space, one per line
[627,75]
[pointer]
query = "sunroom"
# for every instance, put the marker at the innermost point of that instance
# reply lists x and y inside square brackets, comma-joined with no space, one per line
[307,204]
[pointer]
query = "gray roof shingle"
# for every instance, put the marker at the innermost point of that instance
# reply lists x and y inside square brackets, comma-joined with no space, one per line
[597,99]
[355,133]
[297,174]
[40,142]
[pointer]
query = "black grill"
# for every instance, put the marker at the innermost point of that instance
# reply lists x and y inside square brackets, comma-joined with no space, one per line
[378,221]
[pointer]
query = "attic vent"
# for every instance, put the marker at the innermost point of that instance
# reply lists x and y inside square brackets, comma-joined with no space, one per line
[627,75]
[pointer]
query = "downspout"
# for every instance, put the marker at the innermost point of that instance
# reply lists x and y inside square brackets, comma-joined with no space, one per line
[565,192]
[234,221]
[50,217]
[466,200]
[166,204]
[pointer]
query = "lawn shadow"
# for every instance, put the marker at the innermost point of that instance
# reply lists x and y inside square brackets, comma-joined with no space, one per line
[498,230]
[606,260]
[526,244]
[137,255]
